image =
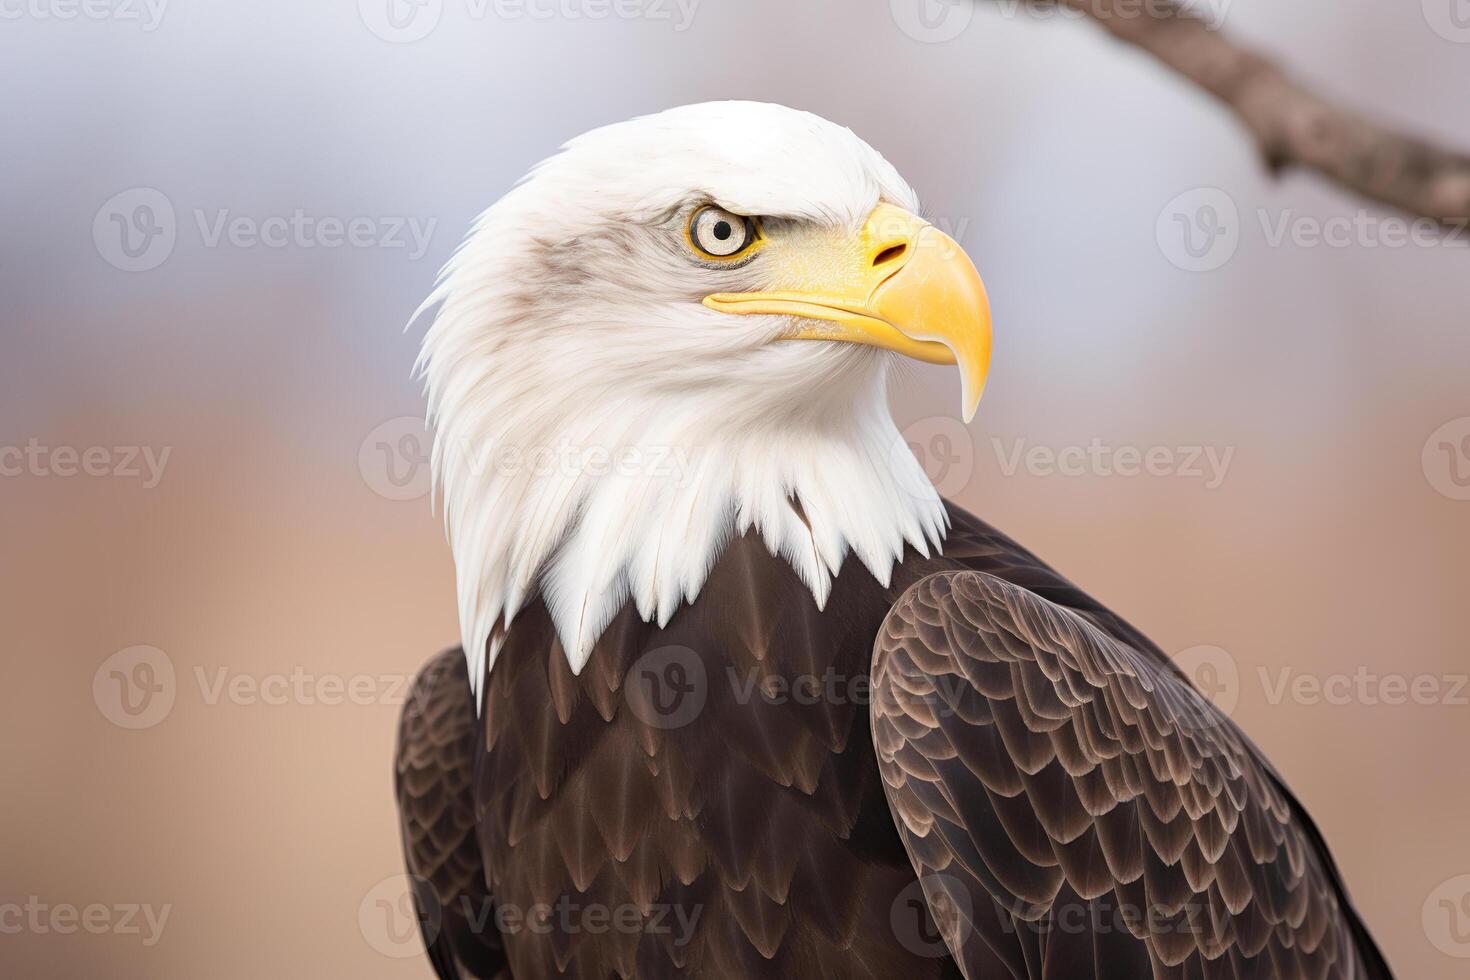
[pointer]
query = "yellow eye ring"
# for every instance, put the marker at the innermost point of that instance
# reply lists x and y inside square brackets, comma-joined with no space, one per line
[717,235]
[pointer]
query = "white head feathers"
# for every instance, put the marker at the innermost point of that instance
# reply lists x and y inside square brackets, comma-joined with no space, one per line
[601,435]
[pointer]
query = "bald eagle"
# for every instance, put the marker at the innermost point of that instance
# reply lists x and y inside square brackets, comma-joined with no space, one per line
[739,695]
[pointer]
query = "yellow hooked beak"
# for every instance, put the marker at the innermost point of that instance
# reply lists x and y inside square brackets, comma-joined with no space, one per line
[907,287]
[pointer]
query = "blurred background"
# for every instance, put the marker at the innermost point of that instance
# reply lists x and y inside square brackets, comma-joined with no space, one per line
[218,559]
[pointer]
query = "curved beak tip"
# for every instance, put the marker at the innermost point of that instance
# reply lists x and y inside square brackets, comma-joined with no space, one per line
[931,305]
[969,403]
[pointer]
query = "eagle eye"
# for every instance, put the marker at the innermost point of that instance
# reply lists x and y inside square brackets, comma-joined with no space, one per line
[718,234]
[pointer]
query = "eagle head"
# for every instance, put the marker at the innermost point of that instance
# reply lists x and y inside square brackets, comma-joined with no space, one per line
[677,330]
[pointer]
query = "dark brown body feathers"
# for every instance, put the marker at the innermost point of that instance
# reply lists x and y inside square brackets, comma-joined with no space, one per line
[705,800]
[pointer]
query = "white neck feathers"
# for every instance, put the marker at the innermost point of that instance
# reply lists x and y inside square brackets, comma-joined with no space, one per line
[634,500]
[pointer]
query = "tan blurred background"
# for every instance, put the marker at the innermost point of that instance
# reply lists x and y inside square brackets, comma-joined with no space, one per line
[203,660]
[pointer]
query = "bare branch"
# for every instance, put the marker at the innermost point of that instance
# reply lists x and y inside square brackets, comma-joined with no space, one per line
[1292,125]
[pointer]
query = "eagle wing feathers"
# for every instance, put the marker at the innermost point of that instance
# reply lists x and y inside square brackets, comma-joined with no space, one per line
[433,780]
[1074,808]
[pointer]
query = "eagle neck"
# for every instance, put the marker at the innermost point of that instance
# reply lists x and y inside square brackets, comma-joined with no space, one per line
[637,508]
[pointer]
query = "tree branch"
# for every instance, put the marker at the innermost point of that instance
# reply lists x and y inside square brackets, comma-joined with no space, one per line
[1293,126]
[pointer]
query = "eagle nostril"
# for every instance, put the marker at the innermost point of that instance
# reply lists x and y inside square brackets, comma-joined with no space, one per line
[890,254]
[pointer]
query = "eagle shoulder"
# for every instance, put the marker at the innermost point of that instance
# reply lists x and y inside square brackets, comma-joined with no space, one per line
[433,782]
[1073,807]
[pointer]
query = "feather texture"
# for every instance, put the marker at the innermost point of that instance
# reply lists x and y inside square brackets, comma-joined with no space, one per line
[1084,809]
[433,781]
[600,435]
[749,833]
